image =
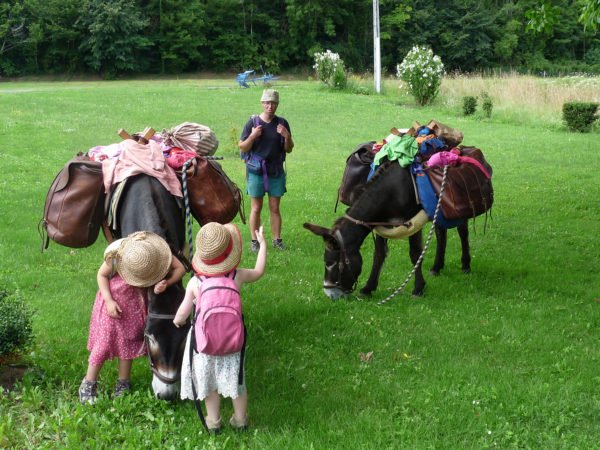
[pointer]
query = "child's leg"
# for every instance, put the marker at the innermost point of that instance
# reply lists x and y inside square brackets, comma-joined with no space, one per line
[213,403]
[92,372]
[240,407]
[125,368]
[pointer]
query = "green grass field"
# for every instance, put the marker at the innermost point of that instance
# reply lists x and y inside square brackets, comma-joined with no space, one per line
[505,357]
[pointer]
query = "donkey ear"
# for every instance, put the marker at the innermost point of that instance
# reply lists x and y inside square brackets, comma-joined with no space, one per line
[325,233]
[318,230]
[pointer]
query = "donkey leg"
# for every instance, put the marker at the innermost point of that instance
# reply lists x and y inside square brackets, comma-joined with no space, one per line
[415,249]
[441,237]
[379,255]
[463,232]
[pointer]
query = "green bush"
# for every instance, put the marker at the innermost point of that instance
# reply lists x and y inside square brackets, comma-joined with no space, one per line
[469,105]
[579,116]
[487,104]
[16,333]
[339,80]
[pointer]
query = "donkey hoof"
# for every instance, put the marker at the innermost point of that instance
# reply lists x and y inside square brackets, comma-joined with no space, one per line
[435,273]
[467,270]
[366,292]
[417,293]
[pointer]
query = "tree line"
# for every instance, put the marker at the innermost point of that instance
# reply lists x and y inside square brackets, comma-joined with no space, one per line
[115,37]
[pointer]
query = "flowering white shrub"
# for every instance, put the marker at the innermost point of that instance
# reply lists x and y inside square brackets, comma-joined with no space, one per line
[422,71]
[330,69]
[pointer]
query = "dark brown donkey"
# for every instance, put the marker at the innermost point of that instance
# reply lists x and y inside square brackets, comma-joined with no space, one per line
[389,197]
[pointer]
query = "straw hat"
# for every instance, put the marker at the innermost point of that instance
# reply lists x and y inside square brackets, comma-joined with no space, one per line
[218,249]
[270,95]
[111,251]
[143,259]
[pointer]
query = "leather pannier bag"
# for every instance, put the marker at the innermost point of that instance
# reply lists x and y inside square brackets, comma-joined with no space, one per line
[74,205]
[356,172]
[468,192]
[212,195]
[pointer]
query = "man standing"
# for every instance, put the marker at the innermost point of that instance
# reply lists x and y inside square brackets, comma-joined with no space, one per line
[265,140]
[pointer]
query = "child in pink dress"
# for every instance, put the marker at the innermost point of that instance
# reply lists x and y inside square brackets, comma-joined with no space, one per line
[130,266]
[218,253]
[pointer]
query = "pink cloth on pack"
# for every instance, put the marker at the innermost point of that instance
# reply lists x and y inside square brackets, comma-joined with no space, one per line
[103,152]
[453,158]
[137,158]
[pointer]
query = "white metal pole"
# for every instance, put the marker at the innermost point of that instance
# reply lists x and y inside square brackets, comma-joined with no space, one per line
[376,50]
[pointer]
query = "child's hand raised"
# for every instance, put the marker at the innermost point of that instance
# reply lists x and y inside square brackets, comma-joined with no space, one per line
[260,237]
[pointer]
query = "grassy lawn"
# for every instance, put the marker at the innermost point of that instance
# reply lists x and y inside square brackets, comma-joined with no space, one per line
[505,357]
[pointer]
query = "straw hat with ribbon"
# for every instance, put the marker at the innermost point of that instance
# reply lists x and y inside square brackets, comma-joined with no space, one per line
[218,249]
[143,259]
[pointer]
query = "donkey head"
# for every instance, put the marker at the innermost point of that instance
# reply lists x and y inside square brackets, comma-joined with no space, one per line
[343,263]
[165,343]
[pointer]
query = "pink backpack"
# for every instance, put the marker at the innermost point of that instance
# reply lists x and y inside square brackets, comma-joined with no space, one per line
[218,320]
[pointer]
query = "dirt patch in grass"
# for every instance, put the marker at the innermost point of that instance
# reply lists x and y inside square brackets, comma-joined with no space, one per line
[11,371]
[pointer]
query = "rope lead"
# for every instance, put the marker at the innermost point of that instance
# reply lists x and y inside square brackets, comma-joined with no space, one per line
[435,215]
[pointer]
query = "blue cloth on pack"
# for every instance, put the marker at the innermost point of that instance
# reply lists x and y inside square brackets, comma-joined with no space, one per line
[429,199]
[431,146]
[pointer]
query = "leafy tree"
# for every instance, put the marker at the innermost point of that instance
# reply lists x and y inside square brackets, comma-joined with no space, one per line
[465,39]
[177,29]
[394,16]
[113,40]
[54,40]
[13,35]
[590,14]
[544,16]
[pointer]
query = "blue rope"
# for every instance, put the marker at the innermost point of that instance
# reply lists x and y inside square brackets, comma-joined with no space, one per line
[187,204]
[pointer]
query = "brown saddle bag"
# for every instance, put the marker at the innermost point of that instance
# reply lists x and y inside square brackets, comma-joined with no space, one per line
[212,196]
[467,192]
[74,205]
[356,172]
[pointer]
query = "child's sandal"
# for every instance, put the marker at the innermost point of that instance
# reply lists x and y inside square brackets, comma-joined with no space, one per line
[239,425]
[214,427]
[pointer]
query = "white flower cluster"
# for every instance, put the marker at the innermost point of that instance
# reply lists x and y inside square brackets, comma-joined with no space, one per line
[422,71]
[326,57]
[327,65]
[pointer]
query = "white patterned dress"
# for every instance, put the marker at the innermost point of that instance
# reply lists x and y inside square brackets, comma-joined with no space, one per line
[210,373]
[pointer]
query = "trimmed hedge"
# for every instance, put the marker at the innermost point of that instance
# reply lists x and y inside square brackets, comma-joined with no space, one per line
[579,116]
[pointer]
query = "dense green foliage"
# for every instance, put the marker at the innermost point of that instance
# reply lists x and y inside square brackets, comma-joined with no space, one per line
[579,116]
[170,36]
[16,332]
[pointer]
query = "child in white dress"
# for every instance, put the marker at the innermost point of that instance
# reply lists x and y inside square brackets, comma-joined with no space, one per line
[218,253]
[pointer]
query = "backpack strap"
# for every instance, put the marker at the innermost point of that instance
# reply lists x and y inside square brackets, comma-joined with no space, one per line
[196,401]
[242,354]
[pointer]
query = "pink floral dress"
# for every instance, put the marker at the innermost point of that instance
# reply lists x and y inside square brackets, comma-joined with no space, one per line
[124,337]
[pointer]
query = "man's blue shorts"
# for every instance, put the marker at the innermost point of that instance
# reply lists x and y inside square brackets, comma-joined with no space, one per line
[255,186]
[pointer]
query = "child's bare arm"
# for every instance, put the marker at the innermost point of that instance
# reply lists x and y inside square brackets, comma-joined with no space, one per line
[187,304]
[251,275]
[176,273]
[112,307]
